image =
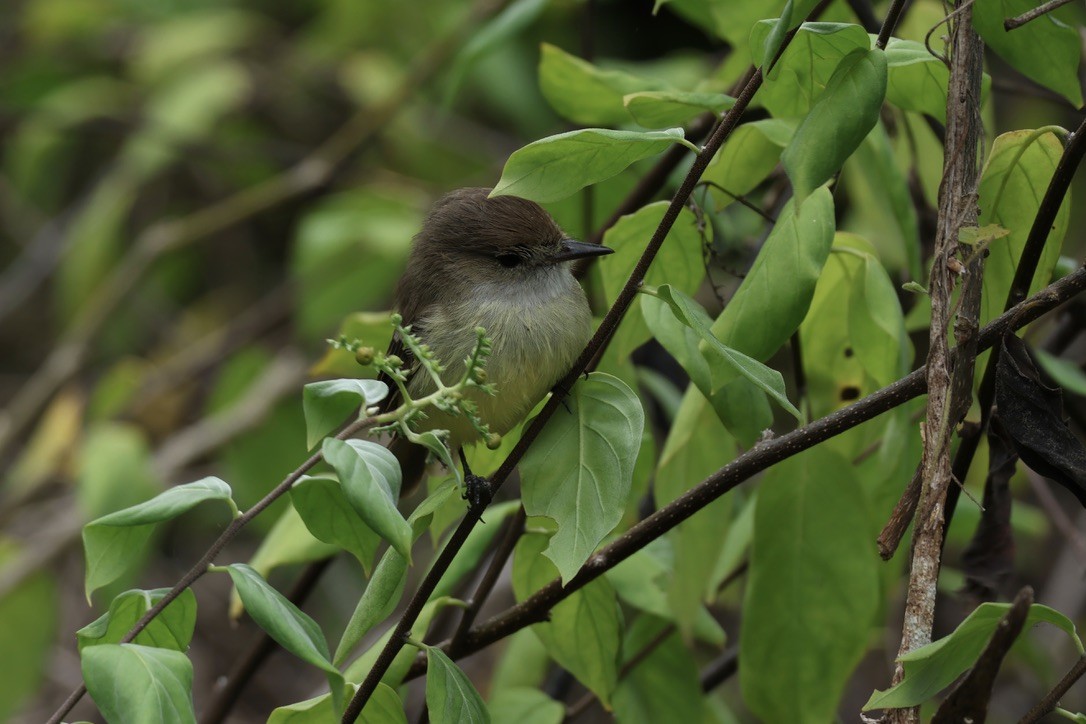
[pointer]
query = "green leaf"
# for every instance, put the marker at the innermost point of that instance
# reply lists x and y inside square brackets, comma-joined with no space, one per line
[116,470]
[791,16]
[385,588]
[747,158]
[558,166]
[585,94]
[450,696]
[1019,169]
[171,629]
[433,442]
[29,611]
[134,684]
[326,404]
[812,594]
[805,70]
[641,580]
[664,686]
[329,516]
[384,707]
[371,480]
[287,543]
[502,29]
[579,471]
[525,705]
[930,669]
[679,263]
[838,121]
[668,108]
[915,79]
[114,541]
[1046,50]
[282,620]
[725,363]
[377,602]
[876,324]
[697,445]
[475,547]
[584,631]
[776,293]
[981,235]
[1066,374]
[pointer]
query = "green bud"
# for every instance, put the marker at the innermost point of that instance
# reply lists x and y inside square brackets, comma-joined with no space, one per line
[394,360]
[364,355]
[396,319]
[493,441]
[479,375]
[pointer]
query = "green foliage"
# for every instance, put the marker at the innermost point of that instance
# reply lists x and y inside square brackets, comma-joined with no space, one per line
[449,694]
[578,473]
[157,683]
[172,629]
[931,668]
[327,403]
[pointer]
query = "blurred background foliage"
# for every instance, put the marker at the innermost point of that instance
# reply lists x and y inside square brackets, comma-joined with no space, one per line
[194,194]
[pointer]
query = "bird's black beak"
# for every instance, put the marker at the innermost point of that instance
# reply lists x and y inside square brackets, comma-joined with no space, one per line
[572,249]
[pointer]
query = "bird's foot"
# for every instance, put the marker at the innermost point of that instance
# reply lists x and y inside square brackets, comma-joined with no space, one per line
[478,493]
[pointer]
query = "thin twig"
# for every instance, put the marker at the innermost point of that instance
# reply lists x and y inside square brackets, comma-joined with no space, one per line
[1052,699]
[534,609]
[1011,23]
[720,669]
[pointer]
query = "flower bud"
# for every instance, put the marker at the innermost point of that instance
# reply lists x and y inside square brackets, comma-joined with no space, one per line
[493,441]
[364,355]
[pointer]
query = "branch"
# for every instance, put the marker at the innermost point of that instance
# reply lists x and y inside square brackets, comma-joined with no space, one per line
[67,357]
[1052,699]
[1012,23]
[534,609]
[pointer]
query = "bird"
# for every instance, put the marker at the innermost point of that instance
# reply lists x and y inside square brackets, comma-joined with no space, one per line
[504,264]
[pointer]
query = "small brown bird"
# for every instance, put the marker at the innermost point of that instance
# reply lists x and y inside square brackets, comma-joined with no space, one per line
[502,264]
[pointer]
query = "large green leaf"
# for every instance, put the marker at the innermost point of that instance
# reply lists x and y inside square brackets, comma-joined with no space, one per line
[1046,50]
[330,517]
[578,471]
[930,669]
[775,294]
[525,705]
[584,631]
[838,121]
[585,94]
[697,445]
[171,629]
[813,592]
[916,80]
[678,263]
[1018,170]
[450,697]
[804,71]
[134,684]
[326,404]
[279,618]
[725,364]
[384,707]
[669,108]
[558,166]
[371,480]
[114,541]
[748,157]
[664,685]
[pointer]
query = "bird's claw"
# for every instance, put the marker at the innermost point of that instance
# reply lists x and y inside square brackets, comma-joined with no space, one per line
[477,492]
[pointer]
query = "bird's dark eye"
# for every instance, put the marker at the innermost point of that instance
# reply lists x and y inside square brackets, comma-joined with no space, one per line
[508,260]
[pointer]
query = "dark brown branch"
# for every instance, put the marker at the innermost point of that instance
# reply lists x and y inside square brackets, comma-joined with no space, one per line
[888,25]
[1052,699]
[501,555]
[534,609]
[720,670]
[1011,23]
